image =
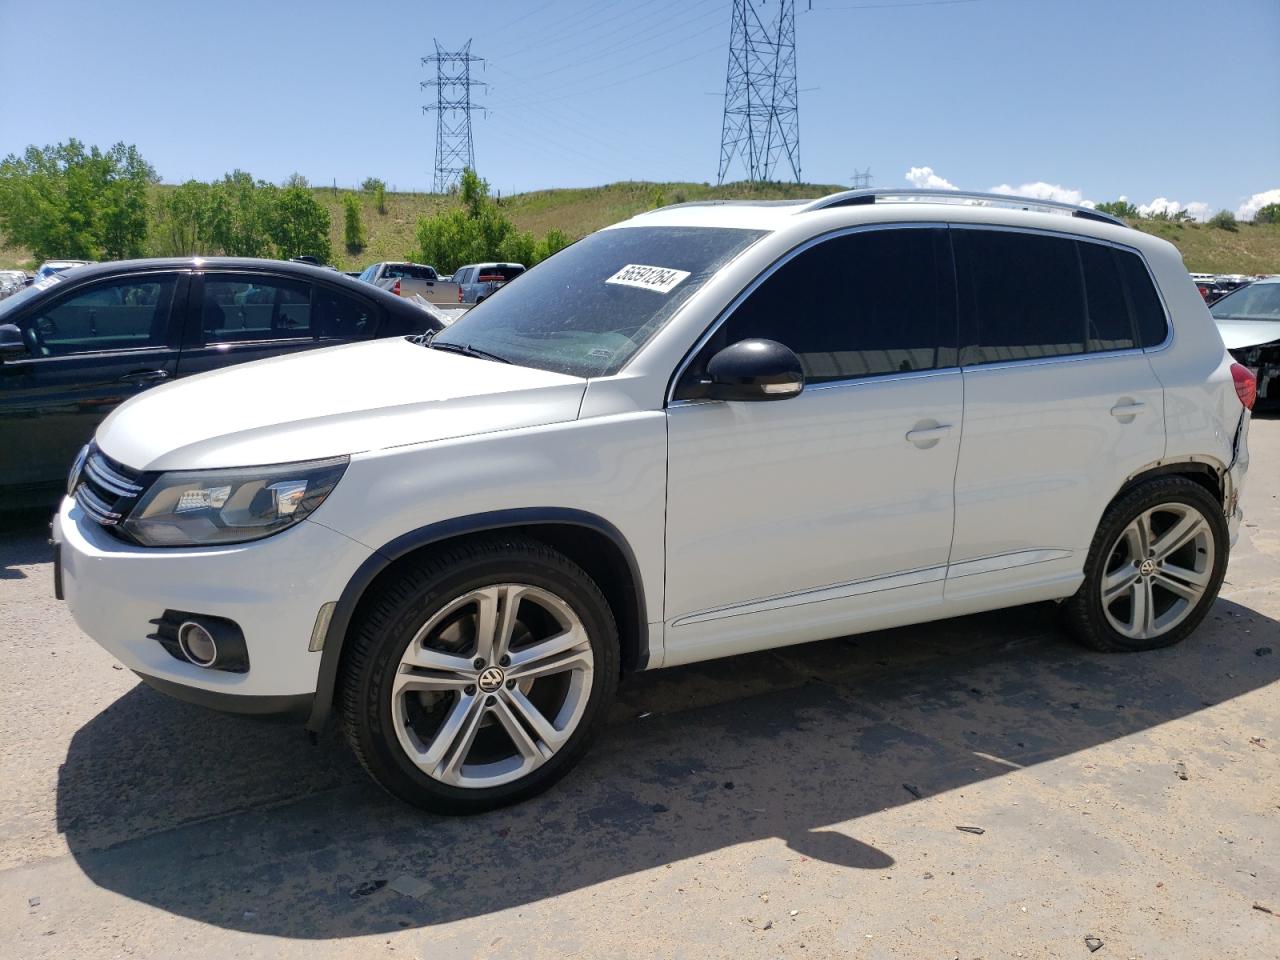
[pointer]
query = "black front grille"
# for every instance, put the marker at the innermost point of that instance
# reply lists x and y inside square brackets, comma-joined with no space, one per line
[107,489]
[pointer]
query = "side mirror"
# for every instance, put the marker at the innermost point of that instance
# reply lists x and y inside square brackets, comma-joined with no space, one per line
[12,345]
[750,370]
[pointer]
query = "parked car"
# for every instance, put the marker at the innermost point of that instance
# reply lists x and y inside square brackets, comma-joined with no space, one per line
[723,446]
[1249,320]
[75,345]
[11,282]
[478,281]
[50,267]
[1209,290]
[411,279]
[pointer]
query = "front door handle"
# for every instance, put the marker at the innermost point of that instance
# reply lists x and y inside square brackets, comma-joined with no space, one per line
[927,433]
[142,377]
[1126,410]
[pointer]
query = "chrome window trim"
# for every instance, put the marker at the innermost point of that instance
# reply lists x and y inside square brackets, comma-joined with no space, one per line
[768,272]
[1067,235]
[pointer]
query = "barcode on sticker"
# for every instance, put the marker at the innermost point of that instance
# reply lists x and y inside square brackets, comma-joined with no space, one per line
[661,279]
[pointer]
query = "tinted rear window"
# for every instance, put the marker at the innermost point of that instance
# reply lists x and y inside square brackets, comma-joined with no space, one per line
[587,310]
[499,274]
[1023,296]
[410,271]
[1148,310]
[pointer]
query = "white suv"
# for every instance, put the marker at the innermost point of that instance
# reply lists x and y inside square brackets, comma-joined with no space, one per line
[691,435]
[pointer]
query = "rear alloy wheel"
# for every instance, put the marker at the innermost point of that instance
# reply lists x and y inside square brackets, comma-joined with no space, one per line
[1154,569]
[479,678]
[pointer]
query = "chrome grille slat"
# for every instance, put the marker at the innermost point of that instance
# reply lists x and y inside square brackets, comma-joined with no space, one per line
[104,476]
[107,490]
[94,506]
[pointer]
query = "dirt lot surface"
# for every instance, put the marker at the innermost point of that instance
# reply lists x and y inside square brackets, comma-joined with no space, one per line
[800,803]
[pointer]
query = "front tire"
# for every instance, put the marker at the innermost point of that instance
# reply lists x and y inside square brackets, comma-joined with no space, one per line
[479,678]
[1154,568]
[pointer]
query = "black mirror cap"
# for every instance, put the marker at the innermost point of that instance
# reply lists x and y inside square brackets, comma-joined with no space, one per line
[11,343]
[755,370]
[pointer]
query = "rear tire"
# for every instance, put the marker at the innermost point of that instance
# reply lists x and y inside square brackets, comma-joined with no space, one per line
[479,678]
[1154,568]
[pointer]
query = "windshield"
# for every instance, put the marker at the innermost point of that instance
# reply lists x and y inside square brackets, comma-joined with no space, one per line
[587,310]
[10,305]
[1258,301]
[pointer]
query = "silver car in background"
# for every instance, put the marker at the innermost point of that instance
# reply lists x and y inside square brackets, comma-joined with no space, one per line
[476,281]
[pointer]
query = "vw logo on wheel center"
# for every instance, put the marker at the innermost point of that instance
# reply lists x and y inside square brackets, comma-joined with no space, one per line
[1148,568]
[491,679]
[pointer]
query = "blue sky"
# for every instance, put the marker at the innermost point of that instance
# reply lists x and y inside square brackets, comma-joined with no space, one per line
[1174,99]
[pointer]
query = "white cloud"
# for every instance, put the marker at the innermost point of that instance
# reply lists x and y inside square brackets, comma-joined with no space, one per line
[1199,210]
[1045,191]
[924,178]
[1163,206]
[1249,209]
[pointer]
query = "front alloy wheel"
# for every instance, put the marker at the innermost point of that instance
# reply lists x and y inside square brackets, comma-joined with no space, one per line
[479,677]
[492,685]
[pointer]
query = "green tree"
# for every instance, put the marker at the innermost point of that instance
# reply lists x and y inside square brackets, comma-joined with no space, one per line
[1119,208]
[352,228]
[297,180]
[183,221]
[478,231]
[297,224]
[1224,220]
[376,187]
[68,201]
[552,243]
[1268,214]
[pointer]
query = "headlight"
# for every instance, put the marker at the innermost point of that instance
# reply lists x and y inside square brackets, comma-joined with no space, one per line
[199,507]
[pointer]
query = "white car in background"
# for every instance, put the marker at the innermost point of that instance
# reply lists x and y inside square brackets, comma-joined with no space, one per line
[686,436]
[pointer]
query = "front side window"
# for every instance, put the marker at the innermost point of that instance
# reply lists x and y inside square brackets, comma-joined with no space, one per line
[254,308]
[858,305]
[1258,301]
[122,314]
[587,310]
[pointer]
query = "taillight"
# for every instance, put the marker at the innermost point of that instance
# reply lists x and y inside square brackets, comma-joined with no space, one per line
[395,288]
[1246,385]
[459,294]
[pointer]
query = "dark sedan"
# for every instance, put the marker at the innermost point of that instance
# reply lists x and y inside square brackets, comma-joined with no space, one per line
[76,345]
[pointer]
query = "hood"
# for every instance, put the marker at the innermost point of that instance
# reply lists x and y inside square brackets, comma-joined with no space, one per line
[1237,334]
[330,402]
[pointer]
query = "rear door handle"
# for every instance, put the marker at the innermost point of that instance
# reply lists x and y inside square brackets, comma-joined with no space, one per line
[145,376]
[1127,409]
[926,437]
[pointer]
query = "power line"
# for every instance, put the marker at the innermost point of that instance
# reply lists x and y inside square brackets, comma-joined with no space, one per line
[455,149]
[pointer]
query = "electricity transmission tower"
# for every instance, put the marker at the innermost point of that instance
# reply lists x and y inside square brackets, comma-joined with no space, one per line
[454,147]
[761,100]
[861,179]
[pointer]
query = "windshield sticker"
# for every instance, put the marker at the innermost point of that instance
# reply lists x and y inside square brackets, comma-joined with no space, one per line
[47,282]
[660,279]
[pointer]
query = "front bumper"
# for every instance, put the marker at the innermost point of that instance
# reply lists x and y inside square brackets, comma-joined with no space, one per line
[272,589]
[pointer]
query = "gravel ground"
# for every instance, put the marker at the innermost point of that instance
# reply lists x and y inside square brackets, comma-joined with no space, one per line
[800,803]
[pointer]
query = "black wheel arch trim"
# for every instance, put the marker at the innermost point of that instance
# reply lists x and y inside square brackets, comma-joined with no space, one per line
[380,559]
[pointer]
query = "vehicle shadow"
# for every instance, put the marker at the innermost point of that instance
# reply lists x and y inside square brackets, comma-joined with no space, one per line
[245,826]
[24,540]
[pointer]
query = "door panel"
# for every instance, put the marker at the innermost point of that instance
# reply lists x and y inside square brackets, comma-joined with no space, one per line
[1043,452]
[1052,432]
[822,492]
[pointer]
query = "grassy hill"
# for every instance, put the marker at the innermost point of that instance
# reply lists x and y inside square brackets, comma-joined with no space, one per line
[576,212]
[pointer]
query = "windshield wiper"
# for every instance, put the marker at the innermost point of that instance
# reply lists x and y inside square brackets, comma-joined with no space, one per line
[466,350]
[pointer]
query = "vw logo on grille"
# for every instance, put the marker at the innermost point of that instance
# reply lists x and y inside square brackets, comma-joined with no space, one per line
[491,679]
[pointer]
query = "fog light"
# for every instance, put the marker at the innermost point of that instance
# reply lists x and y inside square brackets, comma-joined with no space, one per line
[197,644]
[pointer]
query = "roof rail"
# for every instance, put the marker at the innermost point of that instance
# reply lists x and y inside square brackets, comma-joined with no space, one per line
[850,198]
